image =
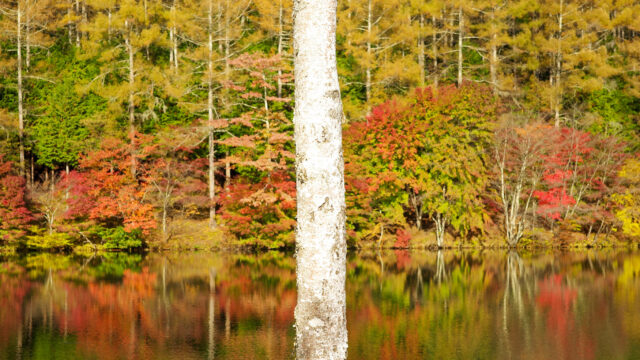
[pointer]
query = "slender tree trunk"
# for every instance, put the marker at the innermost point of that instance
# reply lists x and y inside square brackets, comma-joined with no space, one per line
[174,37]
[227,44]
[227,173]
[212,156]
[27,38]
[321,331]
[434,47]
[32,176]
[211,348]
[421,52]
[146,23]
[558,89]
[441,224]
[132,109]
[66,187]
[280,44]
[493,58]
[460,44]
[164,221]
[77,11]
[368,68]
[69,29]
[20,90]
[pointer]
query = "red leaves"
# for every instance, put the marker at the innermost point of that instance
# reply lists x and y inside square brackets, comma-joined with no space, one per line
[403,237]
[262,213]
[550,201]
[13,211]
[578,168]
[112,191]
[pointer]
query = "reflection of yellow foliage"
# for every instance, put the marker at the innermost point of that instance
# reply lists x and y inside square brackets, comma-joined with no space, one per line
[628,276]
[629,201]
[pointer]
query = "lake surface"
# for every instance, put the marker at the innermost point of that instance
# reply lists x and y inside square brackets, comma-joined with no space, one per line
[400,305]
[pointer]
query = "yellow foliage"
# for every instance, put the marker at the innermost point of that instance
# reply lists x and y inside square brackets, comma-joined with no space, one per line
[629,201]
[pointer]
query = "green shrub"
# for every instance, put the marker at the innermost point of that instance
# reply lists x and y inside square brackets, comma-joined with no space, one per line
[118,238]
[49,241]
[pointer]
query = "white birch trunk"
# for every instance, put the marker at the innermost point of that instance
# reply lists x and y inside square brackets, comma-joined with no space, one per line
[460,44]
[493,59]
[280,44]
[421,52]
[27,38]
[131,105]
[558,90]
[321,331]
[212,156]
[434,48]
[368,70]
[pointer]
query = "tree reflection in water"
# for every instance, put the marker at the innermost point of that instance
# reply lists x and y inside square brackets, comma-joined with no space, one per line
[490,305]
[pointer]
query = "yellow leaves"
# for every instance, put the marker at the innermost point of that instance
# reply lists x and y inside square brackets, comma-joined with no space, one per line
[7,120]
[151,35]
[629,201]
[631,170]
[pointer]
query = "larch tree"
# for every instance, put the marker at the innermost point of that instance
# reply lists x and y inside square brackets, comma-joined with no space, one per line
[213,31]
[13,15]
[570,52]
[121,37]
[376,31]
[492,29]
[273,19]
[321,331]
[625,29]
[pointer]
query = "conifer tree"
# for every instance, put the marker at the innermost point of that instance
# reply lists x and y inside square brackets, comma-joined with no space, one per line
[376,30]
[121,38]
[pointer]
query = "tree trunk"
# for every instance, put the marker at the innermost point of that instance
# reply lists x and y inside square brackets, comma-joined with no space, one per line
[212,156]
[132,126]
[441,223]
[211,344]
[421,52]
[321,331]
[69,30]
[460,44]
[33,173]
[434,47]
[227,174]
[368,68]
[77,11]
[164,222]
[66,186]
[280,44]
[174,38]
[227,44]
[493,58]
[20,94]
[27,39]
[558,89]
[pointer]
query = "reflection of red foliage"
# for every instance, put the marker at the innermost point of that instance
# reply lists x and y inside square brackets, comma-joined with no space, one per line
[557,298]
[403,259]
[12,292]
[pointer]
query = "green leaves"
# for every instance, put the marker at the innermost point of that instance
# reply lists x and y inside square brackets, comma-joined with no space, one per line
[426,154]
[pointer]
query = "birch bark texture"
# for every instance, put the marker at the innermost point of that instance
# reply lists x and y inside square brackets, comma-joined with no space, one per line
[321,328]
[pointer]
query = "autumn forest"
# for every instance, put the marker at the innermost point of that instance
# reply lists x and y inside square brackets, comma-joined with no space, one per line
[129,124]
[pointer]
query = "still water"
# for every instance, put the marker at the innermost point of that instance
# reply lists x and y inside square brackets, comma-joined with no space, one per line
[400,305]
